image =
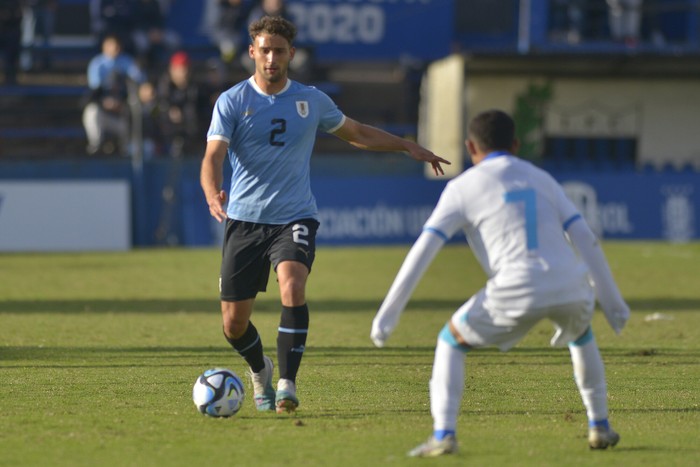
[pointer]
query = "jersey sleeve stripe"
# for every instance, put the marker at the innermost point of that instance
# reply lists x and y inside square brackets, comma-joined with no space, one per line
[335,128]
[437,232]
[218,138]
[571,220]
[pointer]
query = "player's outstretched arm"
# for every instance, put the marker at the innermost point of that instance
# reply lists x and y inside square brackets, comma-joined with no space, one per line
[374,139]
[211,178]
[414,266]
[614,307]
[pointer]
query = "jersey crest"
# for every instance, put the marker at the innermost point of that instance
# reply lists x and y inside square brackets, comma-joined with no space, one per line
[303,108]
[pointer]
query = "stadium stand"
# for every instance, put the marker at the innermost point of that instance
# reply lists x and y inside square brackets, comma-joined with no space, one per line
[44,121]
[40,117]
[605,144]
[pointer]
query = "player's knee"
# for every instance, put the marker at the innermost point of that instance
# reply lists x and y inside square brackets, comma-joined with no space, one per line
[292,276]
[583,339]
[234,329]
[293,291]
[447,335]
[235,317]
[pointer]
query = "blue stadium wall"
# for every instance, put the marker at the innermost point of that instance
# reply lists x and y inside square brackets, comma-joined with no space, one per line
[168,207]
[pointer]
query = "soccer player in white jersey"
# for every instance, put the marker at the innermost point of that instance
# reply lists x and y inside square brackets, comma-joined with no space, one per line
[267,125]
[515,217]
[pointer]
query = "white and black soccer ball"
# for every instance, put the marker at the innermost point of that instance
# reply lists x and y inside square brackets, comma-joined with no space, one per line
[218,392]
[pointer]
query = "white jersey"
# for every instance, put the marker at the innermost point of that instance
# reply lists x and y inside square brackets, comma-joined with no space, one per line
[514,216]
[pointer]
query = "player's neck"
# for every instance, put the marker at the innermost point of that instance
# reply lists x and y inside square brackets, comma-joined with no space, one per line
[269,87]
[477,158]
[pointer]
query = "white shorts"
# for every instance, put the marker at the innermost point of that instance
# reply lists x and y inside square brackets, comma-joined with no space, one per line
[480,326]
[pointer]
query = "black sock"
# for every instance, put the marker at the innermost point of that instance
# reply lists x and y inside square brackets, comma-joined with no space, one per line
[291,340]
[249,346]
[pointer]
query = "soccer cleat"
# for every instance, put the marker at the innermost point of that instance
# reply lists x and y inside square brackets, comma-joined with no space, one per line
[263,392]
[286,398]
[601,438]
[434,448]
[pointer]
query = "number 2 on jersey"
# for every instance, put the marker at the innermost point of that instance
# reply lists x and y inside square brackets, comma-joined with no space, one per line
[280,127]
[526,196]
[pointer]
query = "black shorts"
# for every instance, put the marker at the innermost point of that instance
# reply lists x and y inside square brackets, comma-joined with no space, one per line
[250,248]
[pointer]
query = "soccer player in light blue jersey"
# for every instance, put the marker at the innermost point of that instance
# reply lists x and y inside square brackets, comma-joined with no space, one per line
[516,218]
[266,127]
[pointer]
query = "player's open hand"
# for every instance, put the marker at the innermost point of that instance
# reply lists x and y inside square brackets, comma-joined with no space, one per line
[617,316]
[216,206]
[378,337]
[421,154]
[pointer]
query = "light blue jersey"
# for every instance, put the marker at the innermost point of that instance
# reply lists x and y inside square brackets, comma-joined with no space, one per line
[271,138]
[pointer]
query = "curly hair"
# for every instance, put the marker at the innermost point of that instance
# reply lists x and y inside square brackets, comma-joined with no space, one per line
[273,25]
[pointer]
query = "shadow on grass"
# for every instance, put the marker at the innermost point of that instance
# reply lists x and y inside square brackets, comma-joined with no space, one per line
[654,449]
[194,305]
[145,356]
[40,353]
[272,305]
[555,411]
[346,414]
[302,415]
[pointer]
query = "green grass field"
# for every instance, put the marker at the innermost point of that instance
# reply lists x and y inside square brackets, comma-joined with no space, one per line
[98,354]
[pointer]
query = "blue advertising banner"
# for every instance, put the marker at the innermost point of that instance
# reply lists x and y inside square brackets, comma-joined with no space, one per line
[660,205]
[374,29]
[382,210]
[373,210]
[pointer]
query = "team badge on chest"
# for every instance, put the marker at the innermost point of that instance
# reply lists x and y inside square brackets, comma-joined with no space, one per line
[303,109]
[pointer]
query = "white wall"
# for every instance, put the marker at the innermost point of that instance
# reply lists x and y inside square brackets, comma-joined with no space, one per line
[663,114]
[442,126]
[38,215]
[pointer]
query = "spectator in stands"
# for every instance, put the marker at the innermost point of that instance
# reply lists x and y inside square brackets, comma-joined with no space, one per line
[111,75]
[10,37]
[178,98]
[625,18]
[224,23]
[568,18]
[153,41]
[214,82]
[268,8]
[114,17]
[39,19]
[151,134]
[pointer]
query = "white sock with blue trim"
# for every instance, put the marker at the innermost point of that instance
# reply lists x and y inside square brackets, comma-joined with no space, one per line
[589,373]
[446,387]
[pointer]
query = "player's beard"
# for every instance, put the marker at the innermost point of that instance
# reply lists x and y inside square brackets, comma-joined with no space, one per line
[276,76]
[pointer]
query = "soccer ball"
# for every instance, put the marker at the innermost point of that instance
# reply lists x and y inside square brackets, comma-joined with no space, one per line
[218,393]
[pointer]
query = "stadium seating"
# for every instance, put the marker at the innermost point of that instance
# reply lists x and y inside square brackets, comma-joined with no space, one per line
[45,121]
[45,116]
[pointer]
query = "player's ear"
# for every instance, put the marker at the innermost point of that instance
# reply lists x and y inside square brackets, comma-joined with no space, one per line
[292,51]
[251,51]
[471,147]
[516,146]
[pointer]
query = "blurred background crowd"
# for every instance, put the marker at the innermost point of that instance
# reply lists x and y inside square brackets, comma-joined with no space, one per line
[140,71]
[140,76]
[604,92]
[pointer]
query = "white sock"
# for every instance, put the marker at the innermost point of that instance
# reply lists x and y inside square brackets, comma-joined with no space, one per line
[446,386]
[589,374]
[287,385]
